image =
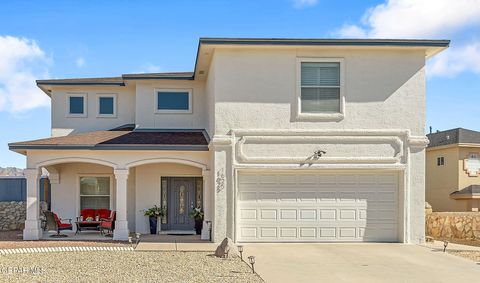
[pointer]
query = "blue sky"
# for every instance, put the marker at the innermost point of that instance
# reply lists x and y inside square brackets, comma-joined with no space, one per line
[63,39]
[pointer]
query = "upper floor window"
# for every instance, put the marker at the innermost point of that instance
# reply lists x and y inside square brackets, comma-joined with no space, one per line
[173,101]
[440,161]
[107,106]
[77,105]
[320,88]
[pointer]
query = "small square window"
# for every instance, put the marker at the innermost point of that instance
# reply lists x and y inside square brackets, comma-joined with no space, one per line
[173,101]
[106,106]
[77,105]
[440,161]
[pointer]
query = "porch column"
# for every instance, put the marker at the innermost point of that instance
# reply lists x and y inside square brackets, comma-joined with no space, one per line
[208,193]
[121,224]
[221,147]
[32,229]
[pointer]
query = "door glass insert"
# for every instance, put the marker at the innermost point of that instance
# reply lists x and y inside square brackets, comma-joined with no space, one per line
[164,199]
[181,198]
[199,193]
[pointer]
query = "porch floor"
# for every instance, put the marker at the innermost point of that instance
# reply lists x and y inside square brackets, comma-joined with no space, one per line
[174,243]
[71,236]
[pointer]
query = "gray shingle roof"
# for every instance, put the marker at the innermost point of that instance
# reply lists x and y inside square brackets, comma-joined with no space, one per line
[157,139]
[467,192]
[426,43]
[453,136]
[84,81]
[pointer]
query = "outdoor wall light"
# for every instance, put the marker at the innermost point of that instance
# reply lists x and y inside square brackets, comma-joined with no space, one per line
[240,250]
[445,244]
[251,259]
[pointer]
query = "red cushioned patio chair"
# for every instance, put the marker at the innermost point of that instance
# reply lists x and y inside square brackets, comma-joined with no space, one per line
[54,223]
[108,224]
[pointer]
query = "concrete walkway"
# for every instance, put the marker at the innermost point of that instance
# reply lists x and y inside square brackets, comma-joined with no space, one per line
[363,262]
[174,243]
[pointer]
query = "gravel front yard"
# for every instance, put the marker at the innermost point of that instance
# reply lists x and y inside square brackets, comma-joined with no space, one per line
[109,266]
[13,240]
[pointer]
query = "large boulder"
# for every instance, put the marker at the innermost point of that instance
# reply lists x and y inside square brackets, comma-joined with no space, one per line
[226,249]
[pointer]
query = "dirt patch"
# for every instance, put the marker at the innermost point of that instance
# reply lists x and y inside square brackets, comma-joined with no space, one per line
[471,255]
[475,243]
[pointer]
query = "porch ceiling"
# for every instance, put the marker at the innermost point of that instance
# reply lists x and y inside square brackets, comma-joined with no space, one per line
[196,140]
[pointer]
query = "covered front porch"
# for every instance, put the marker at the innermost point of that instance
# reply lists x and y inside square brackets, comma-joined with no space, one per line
[126,182]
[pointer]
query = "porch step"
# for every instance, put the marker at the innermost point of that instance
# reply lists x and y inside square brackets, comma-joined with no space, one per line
[177,232]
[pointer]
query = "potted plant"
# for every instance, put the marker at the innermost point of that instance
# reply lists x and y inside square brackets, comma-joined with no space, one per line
[197,214]
[153,214]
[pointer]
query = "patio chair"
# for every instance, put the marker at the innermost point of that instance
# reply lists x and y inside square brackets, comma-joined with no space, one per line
[54,223]
[108,224]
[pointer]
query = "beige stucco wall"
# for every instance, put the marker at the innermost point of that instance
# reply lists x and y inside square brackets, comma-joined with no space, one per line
[443,180]
[146,117]
[255,89]
[63,125]
[66,194]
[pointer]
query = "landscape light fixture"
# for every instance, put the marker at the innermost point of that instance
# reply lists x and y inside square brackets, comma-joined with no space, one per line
[240,250]
[445,244]
[251,259]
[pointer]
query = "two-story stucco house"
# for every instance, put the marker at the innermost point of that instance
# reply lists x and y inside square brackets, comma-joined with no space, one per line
[279,140]
[453,170]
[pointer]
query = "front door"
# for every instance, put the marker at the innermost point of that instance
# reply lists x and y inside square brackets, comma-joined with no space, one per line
[181,196]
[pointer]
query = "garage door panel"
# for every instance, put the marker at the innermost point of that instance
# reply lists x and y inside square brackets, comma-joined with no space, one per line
[317,207]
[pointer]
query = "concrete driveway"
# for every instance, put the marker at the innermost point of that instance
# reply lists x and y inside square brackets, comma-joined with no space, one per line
[359,263]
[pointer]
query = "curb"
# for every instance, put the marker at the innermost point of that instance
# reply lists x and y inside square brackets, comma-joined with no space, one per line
[62,249]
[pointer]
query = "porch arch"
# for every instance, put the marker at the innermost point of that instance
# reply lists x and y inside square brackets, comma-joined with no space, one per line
[166,160]
[57,161]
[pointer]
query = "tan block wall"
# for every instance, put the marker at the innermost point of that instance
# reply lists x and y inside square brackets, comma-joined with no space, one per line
[453,225]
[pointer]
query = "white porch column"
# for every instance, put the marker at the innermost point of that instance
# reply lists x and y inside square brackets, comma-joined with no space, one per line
[221,147]
[208,193]
[121,224]
[32,229]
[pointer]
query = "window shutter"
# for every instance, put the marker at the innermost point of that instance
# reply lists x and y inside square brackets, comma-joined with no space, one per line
[320,74]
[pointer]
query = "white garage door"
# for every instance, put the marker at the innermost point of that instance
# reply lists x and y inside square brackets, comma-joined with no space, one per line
[307,207]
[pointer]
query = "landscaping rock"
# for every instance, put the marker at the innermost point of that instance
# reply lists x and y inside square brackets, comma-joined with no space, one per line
[226,249]
[12,215]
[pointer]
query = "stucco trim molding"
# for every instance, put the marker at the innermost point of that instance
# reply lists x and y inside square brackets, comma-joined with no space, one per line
[166,160]
[393,138]
[418,142]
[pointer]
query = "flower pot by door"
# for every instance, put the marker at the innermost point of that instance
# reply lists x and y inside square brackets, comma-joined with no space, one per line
[198,226]
[153,224]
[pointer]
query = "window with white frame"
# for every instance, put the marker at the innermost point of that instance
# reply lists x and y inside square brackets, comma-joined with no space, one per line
[440,161]
[173,101]
[107,105]
[94,192]
[77,105]
[320,91]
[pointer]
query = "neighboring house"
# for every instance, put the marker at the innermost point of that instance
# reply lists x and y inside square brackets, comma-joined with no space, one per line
[279,140]
[453,170]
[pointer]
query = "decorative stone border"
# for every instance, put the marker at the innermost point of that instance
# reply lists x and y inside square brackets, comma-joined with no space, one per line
[62,249]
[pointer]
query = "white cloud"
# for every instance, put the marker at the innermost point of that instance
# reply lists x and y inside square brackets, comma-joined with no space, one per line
[80,62]
[299,4]
[425,19]
[149,68]
[456,60]
[352,31]
[22,61]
